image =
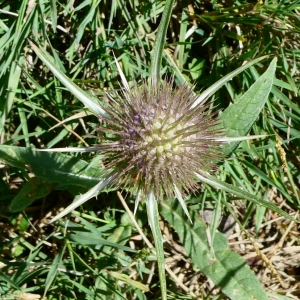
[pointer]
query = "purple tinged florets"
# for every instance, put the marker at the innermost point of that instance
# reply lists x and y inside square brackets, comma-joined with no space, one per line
[157,141]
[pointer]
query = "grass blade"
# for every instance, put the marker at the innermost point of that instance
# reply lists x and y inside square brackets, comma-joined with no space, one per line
[159,44]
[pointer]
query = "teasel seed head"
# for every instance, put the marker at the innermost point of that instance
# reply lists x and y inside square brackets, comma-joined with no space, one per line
[156,141]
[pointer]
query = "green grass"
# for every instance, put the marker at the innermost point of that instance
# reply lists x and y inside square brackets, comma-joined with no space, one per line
[83,256]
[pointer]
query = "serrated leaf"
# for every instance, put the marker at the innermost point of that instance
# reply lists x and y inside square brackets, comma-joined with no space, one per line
[225,268]
[239,117]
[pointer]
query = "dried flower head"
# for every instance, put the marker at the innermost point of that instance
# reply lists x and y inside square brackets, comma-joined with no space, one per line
[156,141]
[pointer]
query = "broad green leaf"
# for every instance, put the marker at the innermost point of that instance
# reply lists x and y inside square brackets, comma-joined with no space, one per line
[225,268]
[120,236]
[61,171]
[239,117]
[197,67]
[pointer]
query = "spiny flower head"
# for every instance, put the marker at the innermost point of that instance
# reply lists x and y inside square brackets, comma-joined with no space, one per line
[156,141]
[160,140]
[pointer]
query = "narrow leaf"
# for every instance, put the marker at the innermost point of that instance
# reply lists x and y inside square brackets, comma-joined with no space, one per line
[93,192]
[5,278]
[54,269]
[71,86]
[181,201]
[153,219]
[123,78]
